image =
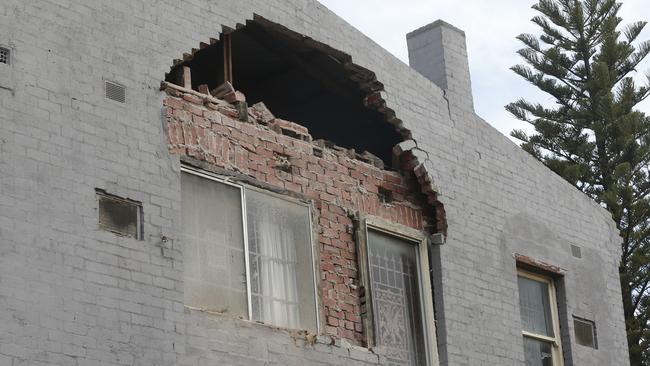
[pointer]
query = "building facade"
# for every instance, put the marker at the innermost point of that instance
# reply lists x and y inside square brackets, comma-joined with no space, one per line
[258,183]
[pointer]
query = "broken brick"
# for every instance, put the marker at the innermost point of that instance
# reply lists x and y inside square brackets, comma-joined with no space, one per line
[339,181]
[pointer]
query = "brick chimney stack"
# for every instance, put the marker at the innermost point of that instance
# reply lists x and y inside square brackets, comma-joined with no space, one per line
[438,52]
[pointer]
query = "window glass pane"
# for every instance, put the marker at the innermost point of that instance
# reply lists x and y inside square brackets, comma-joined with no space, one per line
[396,298]
[538,353]
[281,265]
[213,246]
[535,307]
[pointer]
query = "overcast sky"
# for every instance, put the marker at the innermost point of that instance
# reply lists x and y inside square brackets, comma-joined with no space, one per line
[490,27]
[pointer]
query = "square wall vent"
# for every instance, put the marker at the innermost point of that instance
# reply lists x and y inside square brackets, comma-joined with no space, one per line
[5,55]
[585,332]
[576,251]
[115,91]
[119,215]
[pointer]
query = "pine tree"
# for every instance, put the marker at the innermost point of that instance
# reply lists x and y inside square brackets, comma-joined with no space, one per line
[593,136]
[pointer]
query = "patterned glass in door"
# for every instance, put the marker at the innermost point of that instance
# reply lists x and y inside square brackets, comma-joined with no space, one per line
[399,334]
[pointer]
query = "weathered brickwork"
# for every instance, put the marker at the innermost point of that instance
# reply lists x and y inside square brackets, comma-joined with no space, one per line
[279,155]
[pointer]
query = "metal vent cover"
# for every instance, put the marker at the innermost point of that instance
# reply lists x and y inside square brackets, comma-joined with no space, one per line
[5,55]
[119,215]
[115,91]
[585,332]
[576,251]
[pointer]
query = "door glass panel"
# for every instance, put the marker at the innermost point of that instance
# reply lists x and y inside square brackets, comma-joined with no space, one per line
[396,298]
[213,246]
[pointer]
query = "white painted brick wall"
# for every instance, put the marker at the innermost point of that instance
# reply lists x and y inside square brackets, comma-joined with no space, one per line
[72,295]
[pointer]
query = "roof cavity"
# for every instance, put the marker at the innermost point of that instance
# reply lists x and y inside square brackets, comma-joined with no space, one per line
[298,79]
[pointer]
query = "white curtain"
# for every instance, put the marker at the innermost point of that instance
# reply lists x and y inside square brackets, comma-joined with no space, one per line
[277,270]
[275,227]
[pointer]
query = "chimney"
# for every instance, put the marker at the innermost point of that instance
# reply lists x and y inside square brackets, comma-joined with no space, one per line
[438,52]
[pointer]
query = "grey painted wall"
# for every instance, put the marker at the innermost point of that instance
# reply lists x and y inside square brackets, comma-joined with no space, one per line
[73,295]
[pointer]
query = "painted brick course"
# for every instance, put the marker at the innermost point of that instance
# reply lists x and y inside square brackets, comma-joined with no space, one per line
[73,295]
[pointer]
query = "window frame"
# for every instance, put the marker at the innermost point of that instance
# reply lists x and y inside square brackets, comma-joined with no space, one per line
[418,238]
[242,190]
[556,341]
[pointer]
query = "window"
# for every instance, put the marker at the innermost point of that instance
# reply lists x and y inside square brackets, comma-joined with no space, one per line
[399,307]
[585,332]
[247,253]
[539,318]
[119,215]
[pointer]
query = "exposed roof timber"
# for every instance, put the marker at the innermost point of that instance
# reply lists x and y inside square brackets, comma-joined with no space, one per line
[227,58]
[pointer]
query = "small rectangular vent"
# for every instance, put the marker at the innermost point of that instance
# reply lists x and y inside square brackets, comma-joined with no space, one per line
[119,215]
[5,55]
[585,332]
[115,91]
[576,251]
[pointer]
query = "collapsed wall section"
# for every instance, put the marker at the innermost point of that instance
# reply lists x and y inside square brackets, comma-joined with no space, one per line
[280,156]
[300,79]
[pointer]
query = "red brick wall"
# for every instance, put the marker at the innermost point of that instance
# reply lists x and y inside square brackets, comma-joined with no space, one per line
[338,183]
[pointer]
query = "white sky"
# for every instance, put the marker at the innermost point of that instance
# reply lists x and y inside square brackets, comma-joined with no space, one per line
[490,27]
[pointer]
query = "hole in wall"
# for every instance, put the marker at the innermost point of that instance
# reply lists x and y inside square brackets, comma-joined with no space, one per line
[385,195]
[299,80]
[296,76]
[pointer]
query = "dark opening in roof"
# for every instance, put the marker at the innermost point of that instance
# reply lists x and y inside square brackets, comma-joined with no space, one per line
[299,80]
